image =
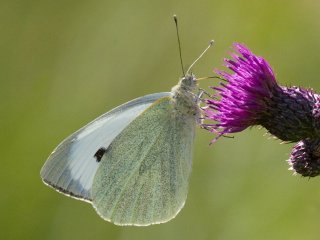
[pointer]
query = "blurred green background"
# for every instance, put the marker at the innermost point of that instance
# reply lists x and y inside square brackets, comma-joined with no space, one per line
[63,63]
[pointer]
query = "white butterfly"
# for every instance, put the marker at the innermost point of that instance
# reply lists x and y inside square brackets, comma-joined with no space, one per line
[133,163]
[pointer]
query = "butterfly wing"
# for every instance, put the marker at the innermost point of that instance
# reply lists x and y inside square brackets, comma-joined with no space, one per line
[72,165]
[143,178]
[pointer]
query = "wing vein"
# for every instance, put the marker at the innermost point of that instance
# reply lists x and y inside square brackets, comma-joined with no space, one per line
[133,173]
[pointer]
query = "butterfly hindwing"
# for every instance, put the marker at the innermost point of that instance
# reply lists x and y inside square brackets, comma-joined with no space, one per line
[143,177]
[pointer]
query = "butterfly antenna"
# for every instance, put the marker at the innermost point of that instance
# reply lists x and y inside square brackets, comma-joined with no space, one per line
[179,43]
[210,44]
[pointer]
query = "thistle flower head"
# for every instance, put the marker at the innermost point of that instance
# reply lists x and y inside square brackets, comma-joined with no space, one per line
[251,96]
[305,158]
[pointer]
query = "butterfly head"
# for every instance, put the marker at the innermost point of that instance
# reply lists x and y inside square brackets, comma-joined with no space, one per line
[188,82]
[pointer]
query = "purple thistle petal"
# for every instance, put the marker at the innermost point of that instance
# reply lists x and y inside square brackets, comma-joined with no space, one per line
[241,92]
[251,96]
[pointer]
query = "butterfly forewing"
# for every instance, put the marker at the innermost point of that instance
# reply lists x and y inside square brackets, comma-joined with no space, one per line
[71,167]
[143,177]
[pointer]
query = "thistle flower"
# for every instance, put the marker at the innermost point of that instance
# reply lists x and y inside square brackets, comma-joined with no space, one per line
[251,96]
[305,158]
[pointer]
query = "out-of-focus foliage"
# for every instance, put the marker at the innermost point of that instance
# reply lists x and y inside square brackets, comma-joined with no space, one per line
[62,63]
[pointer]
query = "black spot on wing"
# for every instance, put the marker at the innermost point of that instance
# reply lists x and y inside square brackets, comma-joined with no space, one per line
[99,154]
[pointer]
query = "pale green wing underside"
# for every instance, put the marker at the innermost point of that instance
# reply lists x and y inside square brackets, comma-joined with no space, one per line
[143,176]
